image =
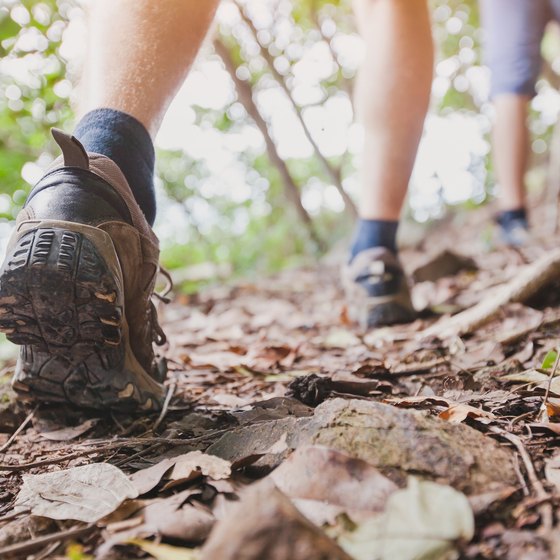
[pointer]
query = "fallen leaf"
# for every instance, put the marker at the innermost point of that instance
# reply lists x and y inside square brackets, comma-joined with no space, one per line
[265,525]
[267,357]
[65,434]
[340,338]
[170,517]
[528,376]
[549,360]
[424,521]
[85,493]
[195,464]
[519,321]
[479,355]
[145,480]
[460,412]
[318,473]
[445,263]
[553,407]
[165,551]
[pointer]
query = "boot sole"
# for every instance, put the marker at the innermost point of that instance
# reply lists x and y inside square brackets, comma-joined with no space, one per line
[62,301]
[382,311]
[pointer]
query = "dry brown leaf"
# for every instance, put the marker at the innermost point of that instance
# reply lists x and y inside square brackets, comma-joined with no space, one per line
[66,434]
[340,338]
[195,464]
[326,475]
[85,493]
[479,355]
[267,357]
[147,479]
[264,524]
[553,407]
[460,412]
[528,376]
[185,467]
[170,518]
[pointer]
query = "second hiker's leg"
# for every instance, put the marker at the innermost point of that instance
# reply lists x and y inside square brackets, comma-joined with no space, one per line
[510,147]
[513,33]
[392,97]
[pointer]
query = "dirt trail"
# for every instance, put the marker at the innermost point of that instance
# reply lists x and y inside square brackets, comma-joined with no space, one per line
[405,417]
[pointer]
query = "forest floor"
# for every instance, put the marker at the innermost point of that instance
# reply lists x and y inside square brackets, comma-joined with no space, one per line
[291,435]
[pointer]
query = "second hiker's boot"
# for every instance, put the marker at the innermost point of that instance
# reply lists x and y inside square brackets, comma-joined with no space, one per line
[376,289]
[76,288]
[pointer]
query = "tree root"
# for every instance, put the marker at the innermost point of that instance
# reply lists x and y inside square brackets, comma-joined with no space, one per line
[519,289]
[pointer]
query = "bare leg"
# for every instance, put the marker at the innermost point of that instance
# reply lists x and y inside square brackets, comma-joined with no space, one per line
[510,139]
[392,96]
[140,52]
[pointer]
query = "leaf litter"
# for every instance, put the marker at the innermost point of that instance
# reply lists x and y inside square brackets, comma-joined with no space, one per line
[291,434]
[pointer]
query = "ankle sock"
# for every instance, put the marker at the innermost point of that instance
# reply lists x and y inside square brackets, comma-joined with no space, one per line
[126,141]
[374,233]
[512,218]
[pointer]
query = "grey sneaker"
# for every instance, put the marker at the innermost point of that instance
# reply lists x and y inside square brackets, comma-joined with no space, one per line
[376,289]
[76,289]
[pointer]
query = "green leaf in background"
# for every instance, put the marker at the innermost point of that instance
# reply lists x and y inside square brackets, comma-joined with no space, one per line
[549,359]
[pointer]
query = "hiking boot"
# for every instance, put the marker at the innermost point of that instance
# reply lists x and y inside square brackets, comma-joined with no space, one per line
[376,289]
[514,233]
[76,288]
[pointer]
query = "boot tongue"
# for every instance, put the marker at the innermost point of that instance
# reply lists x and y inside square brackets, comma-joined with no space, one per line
[73,153]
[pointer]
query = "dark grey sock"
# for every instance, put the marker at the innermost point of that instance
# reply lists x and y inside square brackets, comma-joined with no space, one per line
[374,233]
[126,141]
[509,219]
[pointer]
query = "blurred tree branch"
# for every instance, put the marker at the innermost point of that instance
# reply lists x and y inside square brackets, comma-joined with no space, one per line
[333,173]
[245,94]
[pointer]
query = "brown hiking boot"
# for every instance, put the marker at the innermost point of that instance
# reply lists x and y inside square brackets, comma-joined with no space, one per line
[76,288]
[376,289]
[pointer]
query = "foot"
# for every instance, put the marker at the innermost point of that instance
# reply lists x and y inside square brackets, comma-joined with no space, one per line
[377,290]
[514,233]
[76,288]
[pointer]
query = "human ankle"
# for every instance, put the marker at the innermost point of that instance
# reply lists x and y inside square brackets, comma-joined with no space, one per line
[374,233]
[125,140]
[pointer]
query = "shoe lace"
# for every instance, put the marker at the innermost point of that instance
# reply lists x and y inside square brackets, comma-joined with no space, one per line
[157,332]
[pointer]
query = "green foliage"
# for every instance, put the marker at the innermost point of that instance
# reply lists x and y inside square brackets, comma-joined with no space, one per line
[257,230]
[32,71]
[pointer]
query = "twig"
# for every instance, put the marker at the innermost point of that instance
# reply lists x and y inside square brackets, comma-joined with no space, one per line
[165,407]
[19,430]
[138,454]
[48,551]
[113,445]
[28,546]
[525,284]
[545,509]
[520,477]
[13,515]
